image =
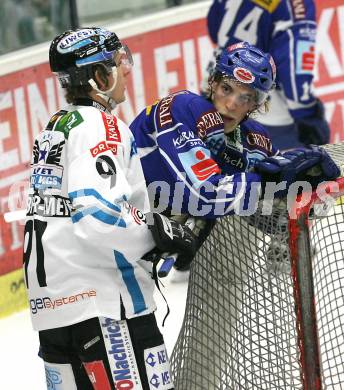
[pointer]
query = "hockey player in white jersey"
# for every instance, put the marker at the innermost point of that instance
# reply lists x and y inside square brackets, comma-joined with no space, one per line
[87,230]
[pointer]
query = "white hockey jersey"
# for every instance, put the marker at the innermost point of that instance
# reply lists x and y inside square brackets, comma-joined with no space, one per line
[85,232]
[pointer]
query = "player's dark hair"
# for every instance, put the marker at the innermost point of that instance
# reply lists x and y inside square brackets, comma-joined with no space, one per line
[217,77]
[72,93]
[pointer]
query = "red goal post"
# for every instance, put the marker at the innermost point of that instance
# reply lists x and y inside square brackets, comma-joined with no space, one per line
[265,302]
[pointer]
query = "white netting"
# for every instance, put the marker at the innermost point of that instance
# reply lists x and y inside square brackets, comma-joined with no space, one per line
[239,330]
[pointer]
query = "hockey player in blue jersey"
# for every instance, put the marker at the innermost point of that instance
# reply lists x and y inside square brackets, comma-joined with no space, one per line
[286,29]
[204,156]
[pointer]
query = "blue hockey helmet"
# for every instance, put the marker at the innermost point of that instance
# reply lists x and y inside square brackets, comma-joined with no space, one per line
[249,65]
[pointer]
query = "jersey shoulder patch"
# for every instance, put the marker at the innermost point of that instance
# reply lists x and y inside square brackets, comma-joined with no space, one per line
[68,122]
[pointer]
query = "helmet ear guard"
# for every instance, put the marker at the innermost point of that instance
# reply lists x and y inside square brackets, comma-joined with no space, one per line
[106,95]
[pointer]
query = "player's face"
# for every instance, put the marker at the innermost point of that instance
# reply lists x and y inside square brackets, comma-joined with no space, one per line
[123,71]
[233,100]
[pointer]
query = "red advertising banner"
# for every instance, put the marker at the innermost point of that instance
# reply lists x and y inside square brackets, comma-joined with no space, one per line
[329,70]
[166,60]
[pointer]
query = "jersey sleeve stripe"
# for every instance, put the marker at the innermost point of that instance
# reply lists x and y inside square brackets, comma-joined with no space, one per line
[100,215]
[92,192]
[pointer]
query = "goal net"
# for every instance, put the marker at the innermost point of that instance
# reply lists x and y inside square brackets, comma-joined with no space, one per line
[265,301]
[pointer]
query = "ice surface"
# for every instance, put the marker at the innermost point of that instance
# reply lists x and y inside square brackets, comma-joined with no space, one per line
[21,368]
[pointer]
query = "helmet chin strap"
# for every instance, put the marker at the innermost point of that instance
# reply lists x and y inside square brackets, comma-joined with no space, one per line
[107,94]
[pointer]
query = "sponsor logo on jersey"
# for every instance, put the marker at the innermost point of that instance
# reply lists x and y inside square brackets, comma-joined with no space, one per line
[211,120]
[46,176]
[299,9]
[243,75]
[46,303]
[121,356]
[102,147]
[260,141]
[308,32]
[198,165]
[268,5]
[138,215]
[111,128]
[68,122]
[158,368]
[305,57]
[49,206]
[234,161]
[183,138]
[164,109]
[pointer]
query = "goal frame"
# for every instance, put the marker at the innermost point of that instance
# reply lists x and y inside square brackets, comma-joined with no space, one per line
[304,295]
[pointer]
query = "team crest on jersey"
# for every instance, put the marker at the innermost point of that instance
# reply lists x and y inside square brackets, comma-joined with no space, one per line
[46,171]
[243,75]
[268,5]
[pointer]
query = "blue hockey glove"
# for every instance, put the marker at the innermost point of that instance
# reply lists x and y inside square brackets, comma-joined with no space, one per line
[314,129]
[311,164]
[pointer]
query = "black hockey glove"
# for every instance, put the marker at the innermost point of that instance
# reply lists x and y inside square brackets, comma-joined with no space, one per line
[170,237]
[201,230]
[314,129]
[311,164]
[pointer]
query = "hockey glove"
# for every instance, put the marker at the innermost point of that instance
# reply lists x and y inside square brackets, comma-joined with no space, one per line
[170,237]
[201,230]
[314,129]
[308,164]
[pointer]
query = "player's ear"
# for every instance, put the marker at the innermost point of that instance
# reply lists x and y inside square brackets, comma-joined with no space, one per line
[101,77]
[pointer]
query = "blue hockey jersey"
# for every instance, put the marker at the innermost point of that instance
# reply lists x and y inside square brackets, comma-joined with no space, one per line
[188,160]
[284,28]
